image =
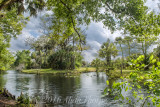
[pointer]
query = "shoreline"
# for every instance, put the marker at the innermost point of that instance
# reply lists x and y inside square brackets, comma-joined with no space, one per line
[111,74]
[52,71]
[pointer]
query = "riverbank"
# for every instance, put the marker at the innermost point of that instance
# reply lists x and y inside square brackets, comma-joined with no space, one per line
[7,99]
[111,74]
[125,73]
[51,71]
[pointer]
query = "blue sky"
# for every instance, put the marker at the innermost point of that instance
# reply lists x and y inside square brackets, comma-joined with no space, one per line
[96,33]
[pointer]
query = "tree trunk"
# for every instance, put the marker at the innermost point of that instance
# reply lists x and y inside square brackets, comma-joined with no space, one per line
[122,65]
[121,69]
[129,50]
[40,60]
[145,52]
[73,59]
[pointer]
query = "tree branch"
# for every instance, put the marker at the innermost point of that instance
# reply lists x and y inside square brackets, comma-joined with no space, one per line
[111,8]
[77,33]
[73,23]
[65,5]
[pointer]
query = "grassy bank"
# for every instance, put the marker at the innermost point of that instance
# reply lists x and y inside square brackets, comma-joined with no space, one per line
[125,73]
[51,71]
[111,74]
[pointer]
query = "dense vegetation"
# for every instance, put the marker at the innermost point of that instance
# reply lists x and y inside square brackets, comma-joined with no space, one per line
[61,45]
[66,17]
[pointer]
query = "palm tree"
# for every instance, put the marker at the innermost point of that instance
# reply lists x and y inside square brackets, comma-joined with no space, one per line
[108,49]
[96,63]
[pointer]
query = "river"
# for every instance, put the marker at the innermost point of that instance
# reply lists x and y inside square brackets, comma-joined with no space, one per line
[84,90]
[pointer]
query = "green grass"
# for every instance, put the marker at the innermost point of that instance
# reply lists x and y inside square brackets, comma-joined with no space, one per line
[112,74]
[125,73]
[51,71]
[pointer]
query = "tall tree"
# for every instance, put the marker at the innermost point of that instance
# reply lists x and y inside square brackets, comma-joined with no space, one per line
[69,14]
[120,41]
[107,50]
[6,57]
[128,41]
[145,30]
[96,63]
[43,47]
[10,26]
[23,59]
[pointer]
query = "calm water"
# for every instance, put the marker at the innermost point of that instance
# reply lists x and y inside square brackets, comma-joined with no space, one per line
[84,90]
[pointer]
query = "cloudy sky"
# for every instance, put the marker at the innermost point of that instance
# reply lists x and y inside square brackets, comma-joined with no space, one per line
[96,33]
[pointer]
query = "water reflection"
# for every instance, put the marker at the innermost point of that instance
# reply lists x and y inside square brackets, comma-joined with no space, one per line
[85,90]
[2,80]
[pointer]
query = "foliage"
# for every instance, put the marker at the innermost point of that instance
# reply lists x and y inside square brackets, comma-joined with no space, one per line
[96,63]
[150,82]
[23,99]
[49,52]
[156,52]
[66,18]
[12,23]
[128,41]
[145,30]
[75,12]
[32,6]
[11,26]
[43,47]
[6,60]
[119,41]
[117,63]
[107,50]
[23,57]
[147,26]
[62,59]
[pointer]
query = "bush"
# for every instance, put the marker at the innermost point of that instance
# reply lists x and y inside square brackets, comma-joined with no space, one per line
[63,59]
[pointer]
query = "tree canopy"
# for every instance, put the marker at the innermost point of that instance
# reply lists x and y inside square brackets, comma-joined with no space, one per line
[68,15]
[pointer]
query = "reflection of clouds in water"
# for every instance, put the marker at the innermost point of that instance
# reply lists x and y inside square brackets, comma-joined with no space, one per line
[84,90]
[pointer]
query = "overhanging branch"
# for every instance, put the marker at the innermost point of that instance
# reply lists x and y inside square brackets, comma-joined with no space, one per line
[80,40]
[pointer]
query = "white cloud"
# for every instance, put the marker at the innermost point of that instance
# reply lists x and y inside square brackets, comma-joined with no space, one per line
[89,55]
[96,36]
[154,5]
[19,43]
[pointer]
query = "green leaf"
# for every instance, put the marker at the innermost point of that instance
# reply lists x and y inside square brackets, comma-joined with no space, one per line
[126,89]
[130,88]
[129,101]
[151,57]
[127,98]
[158,63]
[153,61]
[107,82]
